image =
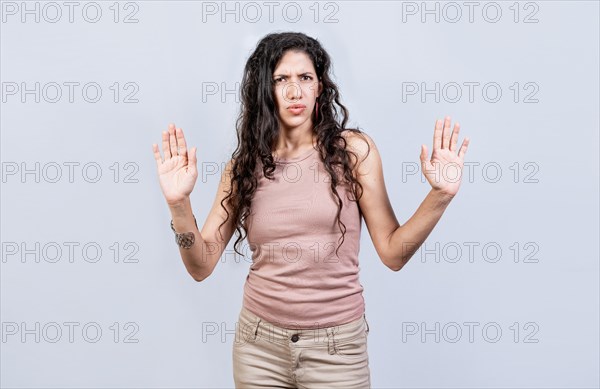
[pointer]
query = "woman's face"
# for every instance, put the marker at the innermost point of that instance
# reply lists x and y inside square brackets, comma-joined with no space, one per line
[296,84]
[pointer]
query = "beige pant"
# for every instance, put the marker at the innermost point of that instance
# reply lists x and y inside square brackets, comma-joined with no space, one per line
[268,356]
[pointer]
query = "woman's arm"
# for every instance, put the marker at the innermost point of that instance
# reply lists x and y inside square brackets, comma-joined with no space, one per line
[396,244]
[177,174]
[201,259]
[405,240]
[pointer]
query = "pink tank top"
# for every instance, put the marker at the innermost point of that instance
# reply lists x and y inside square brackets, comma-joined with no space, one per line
[296,280]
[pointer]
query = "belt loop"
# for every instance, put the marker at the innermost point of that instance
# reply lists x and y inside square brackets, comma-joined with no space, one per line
[330,340]
[256,329]
[366,322]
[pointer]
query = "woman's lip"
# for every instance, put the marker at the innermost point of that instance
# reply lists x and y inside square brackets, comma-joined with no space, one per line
[296,107]
[297,110]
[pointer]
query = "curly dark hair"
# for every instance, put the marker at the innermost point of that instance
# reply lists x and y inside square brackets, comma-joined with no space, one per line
[258,126]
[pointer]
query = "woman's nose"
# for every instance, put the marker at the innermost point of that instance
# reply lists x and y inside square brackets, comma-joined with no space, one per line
[293,91]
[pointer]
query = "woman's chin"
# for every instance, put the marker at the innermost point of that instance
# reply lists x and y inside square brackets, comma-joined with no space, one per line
[295,121]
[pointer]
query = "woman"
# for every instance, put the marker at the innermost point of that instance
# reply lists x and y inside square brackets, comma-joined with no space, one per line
[292,186]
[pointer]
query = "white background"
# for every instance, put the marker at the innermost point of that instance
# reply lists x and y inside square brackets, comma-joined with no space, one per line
[543,206]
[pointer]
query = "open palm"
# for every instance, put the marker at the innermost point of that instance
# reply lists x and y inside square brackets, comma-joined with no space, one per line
[444,169]
[177,175]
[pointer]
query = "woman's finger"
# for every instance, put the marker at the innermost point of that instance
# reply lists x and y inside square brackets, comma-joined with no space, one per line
[193,161]
[157,156]
[181,145]
[437,135]
[165,145]
[454,138]
[446,133]
[463,148]
[173,141]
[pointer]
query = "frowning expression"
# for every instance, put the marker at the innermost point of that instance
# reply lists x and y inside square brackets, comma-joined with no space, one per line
[296,89]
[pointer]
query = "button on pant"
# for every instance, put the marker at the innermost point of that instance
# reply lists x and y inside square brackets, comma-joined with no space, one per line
[269,356]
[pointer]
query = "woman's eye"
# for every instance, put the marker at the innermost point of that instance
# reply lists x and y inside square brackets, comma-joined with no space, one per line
[304,78]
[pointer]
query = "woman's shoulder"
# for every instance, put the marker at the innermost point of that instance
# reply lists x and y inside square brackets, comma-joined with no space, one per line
[358,142]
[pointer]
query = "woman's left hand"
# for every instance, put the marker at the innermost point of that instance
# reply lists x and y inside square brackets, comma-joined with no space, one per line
[444,169]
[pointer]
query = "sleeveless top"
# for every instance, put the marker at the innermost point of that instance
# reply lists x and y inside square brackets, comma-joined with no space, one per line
[296,280]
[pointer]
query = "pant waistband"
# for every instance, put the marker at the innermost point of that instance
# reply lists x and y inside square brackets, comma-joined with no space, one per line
[251,327]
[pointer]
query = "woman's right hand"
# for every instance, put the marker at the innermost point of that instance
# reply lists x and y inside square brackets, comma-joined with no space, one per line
[176,174]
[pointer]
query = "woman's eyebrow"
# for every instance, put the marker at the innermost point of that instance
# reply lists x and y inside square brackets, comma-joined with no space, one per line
[300,74]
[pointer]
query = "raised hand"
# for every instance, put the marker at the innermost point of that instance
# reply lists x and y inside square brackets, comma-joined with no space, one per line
[177,175]
[444,169]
